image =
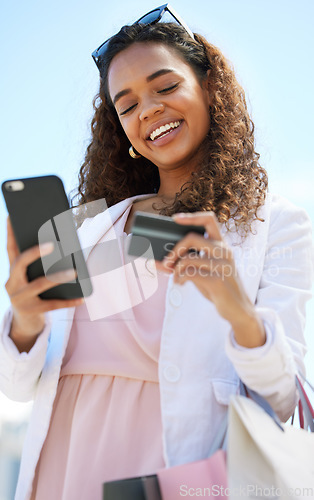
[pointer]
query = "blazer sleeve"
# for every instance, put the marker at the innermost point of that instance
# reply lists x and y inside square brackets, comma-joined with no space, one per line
[20,372]
[284,289]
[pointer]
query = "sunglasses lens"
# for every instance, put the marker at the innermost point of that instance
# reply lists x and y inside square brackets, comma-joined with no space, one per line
[103,49]
[151,17]
[98,54]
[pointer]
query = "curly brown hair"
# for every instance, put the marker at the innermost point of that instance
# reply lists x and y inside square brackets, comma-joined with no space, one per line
[229,180]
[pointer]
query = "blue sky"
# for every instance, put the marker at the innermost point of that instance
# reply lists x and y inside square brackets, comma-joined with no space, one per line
[48,81]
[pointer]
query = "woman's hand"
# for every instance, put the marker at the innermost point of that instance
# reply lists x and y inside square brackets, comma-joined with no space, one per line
[211,267]
[28,309]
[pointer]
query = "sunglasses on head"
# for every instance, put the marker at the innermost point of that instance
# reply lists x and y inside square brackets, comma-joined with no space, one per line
[152,17]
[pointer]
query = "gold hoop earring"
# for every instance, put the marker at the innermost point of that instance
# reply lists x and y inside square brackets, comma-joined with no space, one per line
[133,154]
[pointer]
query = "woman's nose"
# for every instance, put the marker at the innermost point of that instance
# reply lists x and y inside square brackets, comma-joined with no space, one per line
[151,108]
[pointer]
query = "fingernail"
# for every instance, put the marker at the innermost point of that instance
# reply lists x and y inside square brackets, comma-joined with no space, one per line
[69,273]
[46,248]
[180,215]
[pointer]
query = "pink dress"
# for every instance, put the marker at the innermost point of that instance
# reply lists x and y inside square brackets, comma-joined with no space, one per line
[106,419]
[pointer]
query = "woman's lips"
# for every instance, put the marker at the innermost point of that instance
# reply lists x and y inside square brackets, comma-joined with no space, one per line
[167,137]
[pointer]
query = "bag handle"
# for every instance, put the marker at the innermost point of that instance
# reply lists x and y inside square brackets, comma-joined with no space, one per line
[305,408]
[221,438]
[301,416]
[247,392]
[306,412]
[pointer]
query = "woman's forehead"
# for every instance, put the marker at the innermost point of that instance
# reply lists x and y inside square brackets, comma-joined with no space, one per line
[141,60]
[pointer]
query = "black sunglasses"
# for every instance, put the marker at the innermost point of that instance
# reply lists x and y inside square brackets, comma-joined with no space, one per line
[152,17]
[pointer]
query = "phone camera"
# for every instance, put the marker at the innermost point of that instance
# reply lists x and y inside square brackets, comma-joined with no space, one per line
[14,185]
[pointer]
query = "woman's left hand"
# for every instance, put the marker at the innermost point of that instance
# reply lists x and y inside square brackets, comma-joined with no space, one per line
[211,267]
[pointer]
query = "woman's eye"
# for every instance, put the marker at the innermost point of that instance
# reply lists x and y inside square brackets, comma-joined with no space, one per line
[168,89]
[127,110]
[163,91]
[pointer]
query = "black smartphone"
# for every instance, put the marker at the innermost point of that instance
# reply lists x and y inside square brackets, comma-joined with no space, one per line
[158,231]
[40,213]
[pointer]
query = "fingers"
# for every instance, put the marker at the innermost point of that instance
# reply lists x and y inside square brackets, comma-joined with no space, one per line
[212,246]
[53,304]
[12,248]
[28,297]
[27,306]
[24,259]
[35,306]
[44,283]
[206,219]
[206,260]
[198,246]
[41,284]
[190,268]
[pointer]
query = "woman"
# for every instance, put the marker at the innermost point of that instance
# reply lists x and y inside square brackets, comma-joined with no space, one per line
[127,383]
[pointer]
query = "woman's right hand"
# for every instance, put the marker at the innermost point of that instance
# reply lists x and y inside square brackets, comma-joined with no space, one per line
[29,309]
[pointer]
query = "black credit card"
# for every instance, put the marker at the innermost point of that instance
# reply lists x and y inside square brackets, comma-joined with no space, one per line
[159,232]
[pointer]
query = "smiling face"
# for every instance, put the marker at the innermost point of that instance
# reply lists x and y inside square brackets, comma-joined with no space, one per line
[162,106]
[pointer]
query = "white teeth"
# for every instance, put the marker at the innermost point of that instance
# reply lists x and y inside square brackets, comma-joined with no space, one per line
[164,128]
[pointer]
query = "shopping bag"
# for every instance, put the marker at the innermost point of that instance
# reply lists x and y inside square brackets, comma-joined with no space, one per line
[203,478]
[206,477]
[265,461]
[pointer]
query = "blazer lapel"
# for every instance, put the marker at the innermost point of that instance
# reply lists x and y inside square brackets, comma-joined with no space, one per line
[92,230]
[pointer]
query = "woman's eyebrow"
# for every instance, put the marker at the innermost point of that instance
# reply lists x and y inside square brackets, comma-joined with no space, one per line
[149,78]
[158,73]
